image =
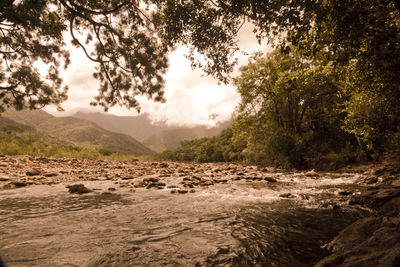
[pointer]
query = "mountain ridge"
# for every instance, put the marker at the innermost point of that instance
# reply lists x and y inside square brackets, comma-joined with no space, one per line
[77,131]
[158,137]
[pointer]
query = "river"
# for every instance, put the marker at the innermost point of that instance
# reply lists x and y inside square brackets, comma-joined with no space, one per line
[236,222]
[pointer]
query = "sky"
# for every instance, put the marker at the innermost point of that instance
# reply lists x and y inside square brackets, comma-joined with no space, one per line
[192,98]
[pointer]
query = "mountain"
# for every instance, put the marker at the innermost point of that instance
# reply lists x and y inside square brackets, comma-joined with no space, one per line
[171,139]
[158,137]
[75,131]
[139,127]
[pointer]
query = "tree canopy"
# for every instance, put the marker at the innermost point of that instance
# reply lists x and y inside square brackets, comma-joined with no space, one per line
[129,40]
[120,36]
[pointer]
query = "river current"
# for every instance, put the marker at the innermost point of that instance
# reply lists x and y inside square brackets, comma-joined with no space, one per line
[237,223]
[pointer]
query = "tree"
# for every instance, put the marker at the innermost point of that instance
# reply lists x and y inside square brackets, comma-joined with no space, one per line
[120,36]
[290,108]
[361,36]
[128,39]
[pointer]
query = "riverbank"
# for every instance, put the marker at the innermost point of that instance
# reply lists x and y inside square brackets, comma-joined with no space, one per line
[115,213]
[374,240]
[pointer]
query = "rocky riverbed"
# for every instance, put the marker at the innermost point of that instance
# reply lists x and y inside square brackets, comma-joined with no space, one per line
[75,212]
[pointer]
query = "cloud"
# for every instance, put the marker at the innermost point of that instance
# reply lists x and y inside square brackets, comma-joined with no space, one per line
[192,97]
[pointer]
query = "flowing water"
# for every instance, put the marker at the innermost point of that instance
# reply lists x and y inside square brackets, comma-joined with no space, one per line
[239,223]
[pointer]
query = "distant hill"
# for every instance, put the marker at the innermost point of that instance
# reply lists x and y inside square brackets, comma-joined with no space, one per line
[157,137]
[139,127]
[75,131]
[171,139]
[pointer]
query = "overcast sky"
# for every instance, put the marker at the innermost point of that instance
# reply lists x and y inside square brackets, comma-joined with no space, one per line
[192,98]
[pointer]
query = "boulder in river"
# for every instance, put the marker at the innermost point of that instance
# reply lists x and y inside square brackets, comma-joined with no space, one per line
[287,195]
[78,189]
[270,179]
[372,241]
[311,173]
[182,191]
[13,185]
[33,173]
[375,197]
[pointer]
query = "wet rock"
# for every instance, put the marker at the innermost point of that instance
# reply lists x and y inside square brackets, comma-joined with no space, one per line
[163,165]
[16,184]
[371,180]
[33,173]
[287,195]
[205,182]
[270,179]
[396,183]
[345,193]
[78,189]
[50,174]
[189,185]
[182,191]
[392,208]
[367,242]
[156,185]
[376,197]
[151,180]
[128,178]
[311,173]
[138,184]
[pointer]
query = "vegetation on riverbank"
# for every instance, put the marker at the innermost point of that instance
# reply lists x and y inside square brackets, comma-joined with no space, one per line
[302,112]
[16,141]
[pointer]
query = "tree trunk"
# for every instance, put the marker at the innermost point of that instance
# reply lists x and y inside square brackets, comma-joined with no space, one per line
[363,147]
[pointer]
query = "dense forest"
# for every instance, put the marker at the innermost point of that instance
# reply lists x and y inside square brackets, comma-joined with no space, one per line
[327,98]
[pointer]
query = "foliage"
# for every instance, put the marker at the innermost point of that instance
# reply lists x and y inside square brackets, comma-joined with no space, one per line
[15,141]
[290,109]
[120,36]
[171,139]
[74,131]
[211,149]
[291,114]
[361,38]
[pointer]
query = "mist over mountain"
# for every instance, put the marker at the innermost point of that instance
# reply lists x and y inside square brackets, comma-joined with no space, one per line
[171,139]
[139,127]
[158,137]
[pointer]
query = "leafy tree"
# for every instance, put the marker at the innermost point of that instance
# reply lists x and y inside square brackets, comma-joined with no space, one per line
[291,108]
[222,148]
[120,36]
[361,36]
